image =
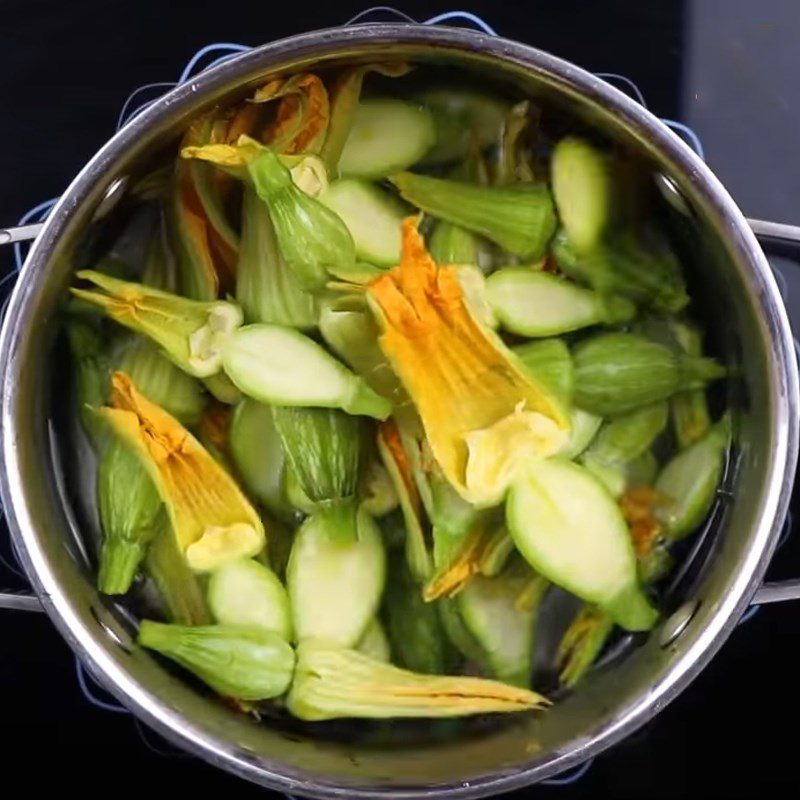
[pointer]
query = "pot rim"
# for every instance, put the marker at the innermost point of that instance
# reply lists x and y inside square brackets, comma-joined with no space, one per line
[565,76]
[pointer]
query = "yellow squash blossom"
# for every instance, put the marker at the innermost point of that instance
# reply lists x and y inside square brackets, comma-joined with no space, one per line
[308,172]
[190,332]
[301,122]
[481,412]
[207,246]
[396,460]
[212,520]
[461,568]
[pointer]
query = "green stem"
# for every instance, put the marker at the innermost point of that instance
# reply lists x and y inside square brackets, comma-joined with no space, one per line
[178,586]
[696,372]
[339,518]
[119,561]
[363,401]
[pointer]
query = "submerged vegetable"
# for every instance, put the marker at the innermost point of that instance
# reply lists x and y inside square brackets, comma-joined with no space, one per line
[582,191]
[237,661]
[178,587]
[496,552]
[521,219]
[335,583]
[463,119]
[539,304]
[623,265]
[330,683]
[280,366]
[689,481]
[582,643]
[190,332]
[570,530]
[247,593]
[258,454]
[514,158]
[618,372]
[211,519]
[386,136]
[378,495]
[459,533]
[130,515]
[374,643]
[93,376]
[690,416]
[414,626]
[489,609]
[396,460]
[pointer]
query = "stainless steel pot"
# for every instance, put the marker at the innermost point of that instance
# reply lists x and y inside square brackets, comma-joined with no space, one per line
[752,332]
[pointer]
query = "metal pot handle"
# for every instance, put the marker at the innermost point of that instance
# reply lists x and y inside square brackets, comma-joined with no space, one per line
[23,233]
[775,592]
[776,233]
[20,601]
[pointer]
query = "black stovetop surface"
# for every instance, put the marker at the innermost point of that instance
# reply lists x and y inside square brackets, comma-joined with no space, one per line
[728,68]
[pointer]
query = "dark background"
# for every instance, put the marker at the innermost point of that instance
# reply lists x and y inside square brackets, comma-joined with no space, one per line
[728,67]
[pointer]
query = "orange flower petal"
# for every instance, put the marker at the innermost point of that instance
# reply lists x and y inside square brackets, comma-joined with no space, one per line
[459,374]
[301,122]
[212,520]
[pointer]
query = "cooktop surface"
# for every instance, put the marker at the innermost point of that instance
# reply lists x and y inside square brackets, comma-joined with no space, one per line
[726,68]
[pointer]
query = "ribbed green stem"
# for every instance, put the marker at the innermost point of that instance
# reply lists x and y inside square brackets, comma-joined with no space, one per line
[246,663]
[451,244]
[496,552]
[339,517]
[697,372]
[310,236]
[521,219]
[267,289]
[583,643]
[119,561]
[363,401]
[178,587]
[631,609]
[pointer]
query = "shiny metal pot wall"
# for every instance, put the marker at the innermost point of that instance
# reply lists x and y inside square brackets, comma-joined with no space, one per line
[751,330]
